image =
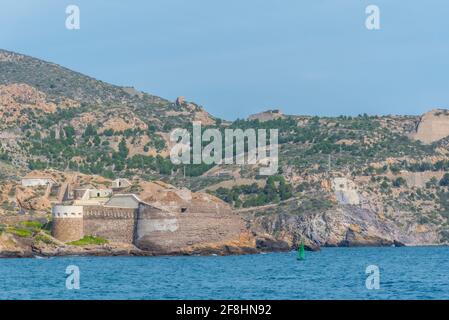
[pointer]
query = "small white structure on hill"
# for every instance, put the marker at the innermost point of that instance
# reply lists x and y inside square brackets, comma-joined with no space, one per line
[120,183]
[35,181]
[87,196]
[124,201]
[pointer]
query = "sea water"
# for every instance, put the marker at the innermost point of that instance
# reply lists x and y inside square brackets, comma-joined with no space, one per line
[332,273]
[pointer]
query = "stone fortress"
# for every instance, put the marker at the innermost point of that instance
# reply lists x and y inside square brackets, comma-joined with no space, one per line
[169,220]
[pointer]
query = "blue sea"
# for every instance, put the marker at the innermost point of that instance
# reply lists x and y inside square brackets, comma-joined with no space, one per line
[332,273]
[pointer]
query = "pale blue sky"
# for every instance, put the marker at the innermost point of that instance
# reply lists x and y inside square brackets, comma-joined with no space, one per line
[238,57]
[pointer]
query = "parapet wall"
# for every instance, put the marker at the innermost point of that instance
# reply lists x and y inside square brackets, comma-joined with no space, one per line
[67,212]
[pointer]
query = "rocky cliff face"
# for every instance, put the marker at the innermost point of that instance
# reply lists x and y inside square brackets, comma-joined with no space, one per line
[432,126]
[342,226]
[355,214]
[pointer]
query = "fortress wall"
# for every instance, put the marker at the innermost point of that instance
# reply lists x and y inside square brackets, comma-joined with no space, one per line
[149,227]
[67,230]
[111,223]
[175,231]
[67,223]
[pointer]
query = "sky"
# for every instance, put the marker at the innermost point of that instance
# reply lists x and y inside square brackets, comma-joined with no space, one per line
[239,57]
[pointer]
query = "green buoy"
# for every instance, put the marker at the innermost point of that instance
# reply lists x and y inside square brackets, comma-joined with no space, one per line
[301,254]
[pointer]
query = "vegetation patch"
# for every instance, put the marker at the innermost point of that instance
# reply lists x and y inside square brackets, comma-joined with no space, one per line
[276,189]
[315,204]
[42,237]
[26,229]
[34,225]
[88,240]
[21,232]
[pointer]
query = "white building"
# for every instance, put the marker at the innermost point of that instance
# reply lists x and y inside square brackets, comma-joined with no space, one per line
[120,183]
[92,196]
[345,191]
[35,181]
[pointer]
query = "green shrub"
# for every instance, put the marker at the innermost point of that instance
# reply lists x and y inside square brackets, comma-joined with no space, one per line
[444,236]
[21,232]
[445,180]
[34,225]
[87,240]
[42,237]
[399,182]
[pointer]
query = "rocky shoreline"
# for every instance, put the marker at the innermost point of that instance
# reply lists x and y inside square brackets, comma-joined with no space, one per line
[13,246]
[122,250]
[118,250]
[27,248]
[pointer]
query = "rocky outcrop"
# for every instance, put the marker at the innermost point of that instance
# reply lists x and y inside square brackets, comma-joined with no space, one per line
[433,126]
[189,108]
[267,115]
[12,246]
[342,226]
[116,249]
[180,101]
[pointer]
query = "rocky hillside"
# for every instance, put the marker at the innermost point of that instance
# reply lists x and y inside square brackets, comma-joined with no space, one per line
[55,117]
[362,180]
